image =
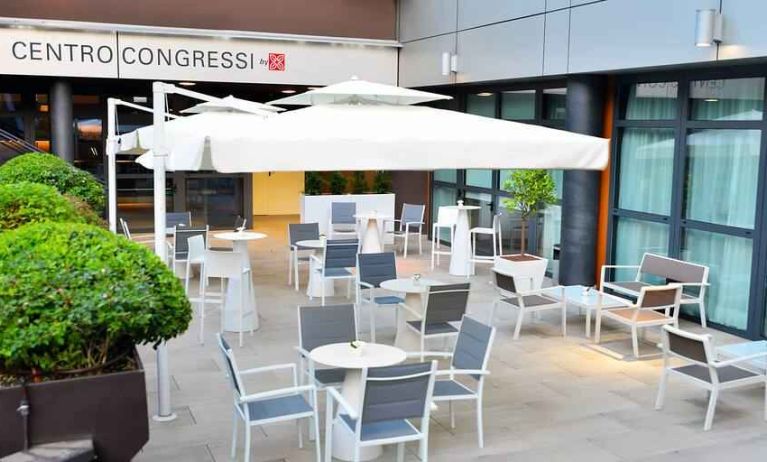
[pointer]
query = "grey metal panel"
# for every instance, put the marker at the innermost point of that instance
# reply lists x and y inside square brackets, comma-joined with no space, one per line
[473,13]
[620,34]
[420,62]
[743,29]
[502,51]
[557,42]
[426,18]
[552,5]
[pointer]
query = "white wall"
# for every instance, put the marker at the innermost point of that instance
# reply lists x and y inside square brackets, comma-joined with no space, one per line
[506,39]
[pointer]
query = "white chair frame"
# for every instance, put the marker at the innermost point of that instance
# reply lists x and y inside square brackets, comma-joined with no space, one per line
[219,298]
[446,219]
[404,231]
[319,265]
[495,232]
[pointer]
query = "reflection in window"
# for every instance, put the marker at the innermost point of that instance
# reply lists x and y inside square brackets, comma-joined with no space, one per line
[729,99]
[554,103]
[652,101]
[722,172]
[635,237]
[448,176]
[481,104]
[646,169]
[482,178]
[518,105]
[442,196]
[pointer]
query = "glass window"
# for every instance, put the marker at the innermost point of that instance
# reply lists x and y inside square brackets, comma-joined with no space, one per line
[13,124]
[646,170]
[729,99]
[554,103]
[10,102]
[722,171]
[442,196]
[481,217]
[481,104]
[559,177]
[448,176]
[215,200]
[518,105]
[635,237]
[549,232]
[482,178]
[652,101]
[729,262]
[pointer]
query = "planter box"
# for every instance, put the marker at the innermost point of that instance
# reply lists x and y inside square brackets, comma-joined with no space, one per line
[317,208]
[534,268]
[110,409]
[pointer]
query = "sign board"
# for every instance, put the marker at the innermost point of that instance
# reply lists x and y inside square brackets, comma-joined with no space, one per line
[165,57]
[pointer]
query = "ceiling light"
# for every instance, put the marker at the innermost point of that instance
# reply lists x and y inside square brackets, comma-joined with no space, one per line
[187,84]
[708,28]
[313,88]
[485,93]
[288,91]
[711,100]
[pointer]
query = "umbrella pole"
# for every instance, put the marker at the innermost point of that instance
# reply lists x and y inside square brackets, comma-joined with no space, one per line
[164,413]
[111,149]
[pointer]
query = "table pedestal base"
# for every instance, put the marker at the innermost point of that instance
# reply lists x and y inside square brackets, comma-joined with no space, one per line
[343,437]
[314,288]
[406,338]
[232,307]
[371,239]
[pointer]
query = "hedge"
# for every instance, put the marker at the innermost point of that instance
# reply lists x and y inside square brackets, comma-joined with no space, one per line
[23,203]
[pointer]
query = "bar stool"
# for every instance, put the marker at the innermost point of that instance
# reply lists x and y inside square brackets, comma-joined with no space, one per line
[495,232]
[195,256]
[446,218]
[225,266]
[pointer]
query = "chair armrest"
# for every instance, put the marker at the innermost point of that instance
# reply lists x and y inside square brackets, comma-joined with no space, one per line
[274,367]
[334,394]
[693,284]
[542,290]
[411,310]
[622,266]
[276,393]
[730,362]
[452,372]
[418,354]
[366,285]
[413,223]
[316,259]
[302,352]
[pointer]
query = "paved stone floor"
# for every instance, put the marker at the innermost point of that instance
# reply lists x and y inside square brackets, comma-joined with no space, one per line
[548,399]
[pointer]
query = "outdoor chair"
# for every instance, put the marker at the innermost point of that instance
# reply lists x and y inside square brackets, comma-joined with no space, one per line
[339,258]
[446,219]
[656,306]
[269,406]
[298,255]
[663,270]
[180,246]
[127,234]
[372,270]
[390,397]
[703,369]
[409,222]
[195,256]
[469,362]
[225,266]
[495,233]
[239,225]
[177,219]
[319,326]
[527,301]
[445,306]
[342,220]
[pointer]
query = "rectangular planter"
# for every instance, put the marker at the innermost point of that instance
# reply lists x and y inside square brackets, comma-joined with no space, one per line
[110,409]
[317,208]
[534,268]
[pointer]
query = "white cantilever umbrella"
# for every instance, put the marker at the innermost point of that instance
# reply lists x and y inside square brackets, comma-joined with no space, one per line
[356,90]
[232,104]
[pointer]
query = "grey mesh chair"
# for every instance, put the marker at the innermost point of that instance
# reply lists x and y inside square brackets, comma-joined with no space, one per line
[391,397]
[469,362]
[340,256]
[527,301]
[445,306]
[265,407]
[372,270]
[703,369]
[180,245]
[410,222]
[177,219]
[342,220]
[323,325]
[297,255]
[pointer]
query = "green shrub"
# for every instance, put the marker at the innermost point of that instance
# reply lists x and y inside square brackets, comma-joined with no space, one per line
[75,296]
[23,203]
[312,184]
[338,183]
[382,182]
[53,171]
[86,212]
[359,183]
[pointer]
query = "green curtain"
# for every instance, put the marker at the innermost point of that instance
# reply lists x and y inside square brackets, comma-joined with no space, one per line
[646,170]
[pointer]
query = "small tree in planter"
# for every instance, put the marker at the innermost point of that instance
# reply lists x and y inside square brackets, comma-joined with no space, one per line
[382,182]
[312,184]
[359,183]
[337,183]
[531,191]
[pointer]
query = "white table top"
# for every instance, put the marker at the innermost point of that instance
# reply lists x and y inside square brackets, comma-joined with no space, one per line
[239,236]
[462,207]
[409,286]
[575,295]
[312,243]
[738,350]
[343,355]
[373,216]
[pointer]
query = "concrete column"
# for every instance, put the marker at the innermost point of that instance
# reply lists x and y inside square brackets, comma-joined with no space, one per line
[580,193]
[62,129]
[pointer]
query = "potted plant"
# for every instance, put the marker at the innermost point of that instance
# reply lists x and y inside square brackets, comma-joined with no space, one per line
[531,191]
[75,299]
[382,182]
[337,183]
[312,184]
[359,183]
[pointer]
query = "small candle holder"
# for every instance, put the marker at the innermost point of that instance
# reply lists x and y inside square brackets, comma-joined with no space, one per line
[357,346]
[417,279]
[585,291]
[460,203]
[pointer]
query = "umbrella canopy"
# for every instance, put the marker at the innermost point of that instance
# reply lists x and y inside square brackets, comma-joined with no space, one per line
[394,137]
[187,139]
[355,90]
[232,104]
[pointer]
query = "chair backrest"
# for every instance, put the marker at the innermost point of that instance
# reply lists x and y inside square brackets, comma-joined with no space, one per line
[342,213]
[472,348]
[223,264]
[180,219]
[303,232]
[230,366]
[686,345]
[504,282]
[447,216]
[412,213]
[673,270]
[375,268]
[125,229]
[656,297]
[446,303]
[240,222]
[181,237]
[323,325]
[397,392]
[497,222]
[340,253]
[196,245]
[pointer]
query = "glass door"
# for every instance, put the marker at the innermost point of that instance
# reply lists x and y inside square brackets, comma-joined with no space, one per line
[482,218]
[214,199]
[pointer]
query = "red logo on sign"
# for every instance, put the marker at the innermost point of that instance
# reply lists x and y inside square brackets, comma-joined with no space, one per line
[276,61]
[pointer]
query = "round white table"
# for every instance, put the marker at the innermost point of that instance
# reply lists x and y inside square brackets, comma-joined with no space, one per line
[460,258]
[414,291]
[232,303]
[314,288]
[342,355]
[371,238]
